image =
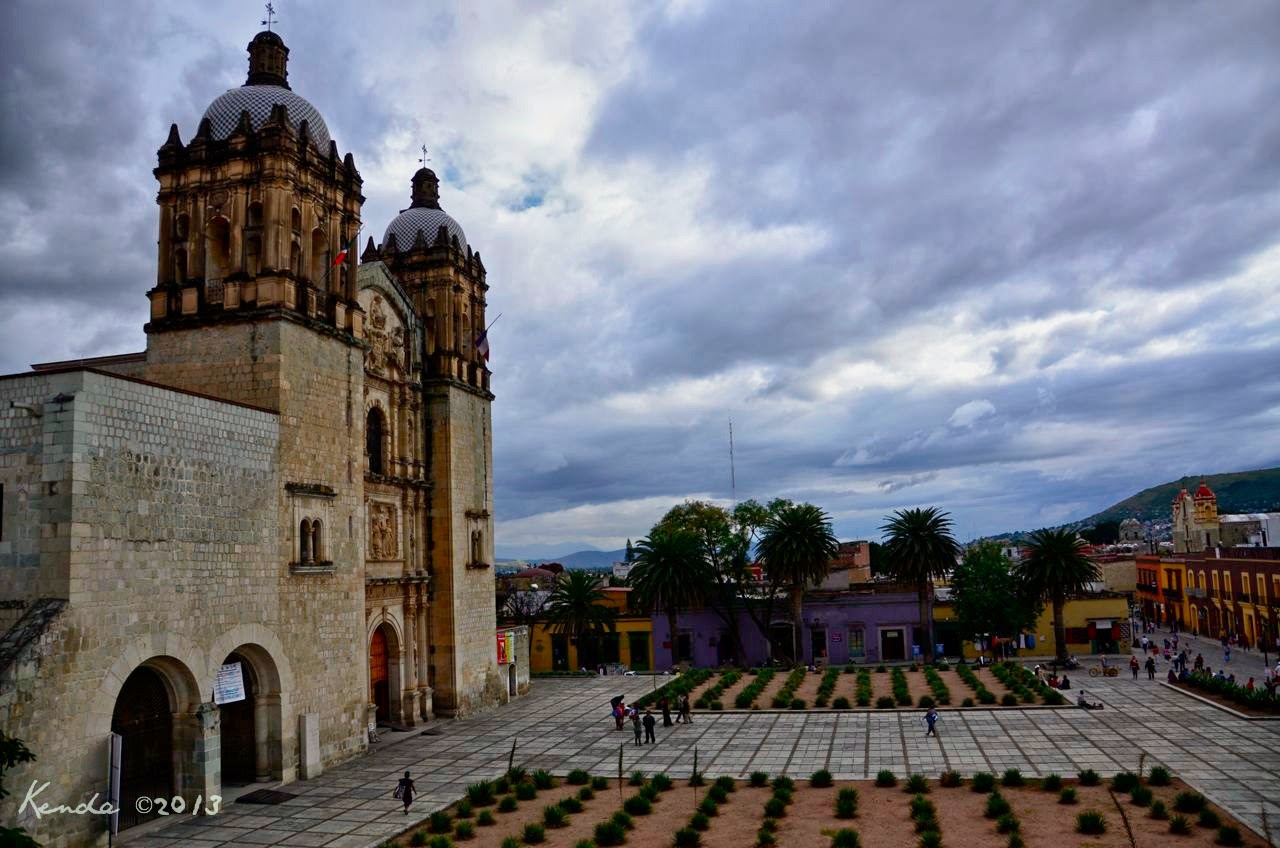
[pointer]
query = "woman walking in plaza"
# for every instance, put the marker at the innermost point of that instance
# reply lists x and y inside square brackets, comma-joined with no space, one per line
[405,791]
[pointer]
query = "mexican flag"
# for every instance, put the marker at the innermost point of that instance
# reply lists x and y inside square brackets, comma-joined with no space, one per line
[347,248]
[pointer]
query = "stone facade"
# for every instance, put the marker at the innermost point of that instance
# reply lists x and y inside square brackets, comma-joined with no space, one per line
[295,480]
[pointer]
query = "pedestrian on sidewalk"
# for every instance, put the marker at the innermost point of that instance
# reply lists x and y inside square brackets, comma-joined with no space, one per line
[665,706]
[685,713]
[1133,666]
[635,724]
[1151,668]
[405,791]
[649,722]
[931,719]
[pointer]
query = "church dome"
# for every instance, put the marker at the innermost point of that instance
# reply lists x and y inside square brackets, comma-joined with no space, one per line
[424,214]
[224,112]
[267,85]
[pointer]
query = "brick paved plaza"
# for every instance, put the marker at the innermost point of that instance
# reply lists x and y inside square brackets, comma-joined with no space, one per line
[564,725]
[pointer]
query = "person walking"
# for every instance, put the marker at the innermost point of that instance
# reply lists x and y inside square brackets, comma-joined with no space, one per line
[665,706]
[1151,668]
[1133,666]
[649,722]
[635,725]
[684,709]
[405,791]
[931,719]
[619,713]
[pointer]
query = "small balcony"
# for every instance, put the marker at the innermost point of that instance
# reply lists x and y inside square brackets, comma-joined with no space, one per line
[1193,592]
[1173,594]
[1147,587]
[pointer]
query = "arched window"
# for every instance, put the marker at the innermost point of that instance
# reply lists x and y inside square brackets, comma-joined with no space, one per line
[317,541]
[180,265]
[295,259]
[373,441]
[182,227]
[217,249]
[255,215]
[304,541]
[295,221]
[253,254]
[319,256]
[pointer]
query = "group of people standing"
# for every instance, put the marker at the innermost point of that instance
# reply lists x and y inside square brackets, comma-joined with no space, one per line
[643,725]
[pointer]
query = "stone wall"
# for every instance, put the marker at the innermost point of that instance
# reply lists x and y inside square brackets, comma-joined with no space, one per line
[463,613]
[168,518]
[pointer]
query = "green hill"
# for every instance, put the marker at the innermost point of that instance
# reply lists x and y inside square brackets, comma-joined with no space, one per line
[1243,491]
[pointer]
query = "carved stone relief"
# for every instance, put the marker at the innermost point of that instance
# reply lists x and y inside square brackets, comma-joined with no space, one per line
[382,531]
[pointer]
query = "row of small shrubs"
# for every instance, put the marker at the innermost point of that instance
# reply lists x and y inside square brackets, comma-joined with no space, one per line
[901,693]
[691,836]
[710,699]
[1007,673]
[862,689]
[1029,681]
[1258,699]
[925,817]
[774,808]
[983,694]
[682,685]
[783,699]
[941,694]
[747,697]
[827,686]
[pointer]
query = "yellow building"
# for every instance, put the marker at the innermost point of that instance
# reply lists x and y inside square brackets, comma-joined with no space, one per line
[630,645]
[1094,624]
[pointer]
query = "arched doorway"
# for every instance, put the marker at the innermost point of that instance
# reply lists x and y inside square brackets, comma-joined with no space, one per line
[236,721]
[384,676]
[143,717]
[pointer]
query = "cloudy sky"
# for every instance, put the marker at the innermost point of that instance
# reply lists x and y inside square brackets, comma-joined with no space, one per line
[1016,260]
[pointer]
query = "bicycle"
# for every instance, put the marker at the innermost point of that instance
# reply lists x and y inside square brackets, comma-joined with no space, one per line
[1104,671]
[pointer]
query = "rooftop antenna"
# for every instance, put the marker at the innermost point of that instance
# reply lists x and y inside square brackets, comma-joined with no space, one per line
[733,477]
[271,17]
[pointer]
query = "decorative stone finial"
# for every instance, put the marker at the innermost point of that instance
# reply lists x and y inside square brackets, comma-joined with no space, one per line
[268,60]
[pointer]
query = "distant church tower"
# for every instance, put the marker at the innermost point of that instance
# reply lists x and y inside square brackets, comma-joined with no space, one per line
[427,252]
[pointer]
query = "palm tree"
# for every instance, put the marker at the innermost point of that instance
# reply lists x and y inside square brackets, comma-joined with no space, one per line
[670,572]
[1055,567]
[919,549]
[797,547]
[576,608]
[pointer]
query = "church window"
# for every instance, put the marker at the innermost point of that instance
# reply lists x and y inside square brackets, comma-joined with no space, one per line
[304,541]
[180,265]
[295,221]
[217,249]
[181,227]
[373,441]
[295,259]
[255,215]
[317,539]
[253,255]
[319,256]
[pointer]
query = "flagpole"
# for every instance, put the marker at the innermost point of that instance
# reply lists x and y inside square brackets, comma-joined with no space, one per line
[329,271]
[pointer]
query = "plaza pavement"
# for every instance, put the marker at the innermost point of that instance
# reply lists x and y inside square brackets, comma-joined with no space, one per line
[564,724]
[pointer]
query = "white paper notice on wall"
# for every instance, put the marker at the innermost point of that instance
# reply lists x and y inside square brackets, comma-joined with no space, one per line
[229,687]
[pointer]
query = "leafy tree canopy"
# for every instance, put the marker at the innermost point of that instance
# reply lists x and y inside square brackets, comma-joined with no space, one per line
[987,595]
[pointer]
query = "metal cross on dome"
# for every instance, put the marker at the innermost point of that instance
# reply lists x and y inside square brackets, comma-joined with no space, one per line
[424,160]
[271,17]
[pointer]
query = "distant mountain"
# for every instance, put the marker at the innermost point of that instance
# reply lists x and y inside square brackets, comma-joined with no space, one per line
[580,559]
[1241,491]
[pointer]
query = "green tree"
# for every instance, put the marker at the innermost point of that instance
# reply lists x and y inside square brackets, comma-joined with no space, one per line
[1102,533]
[671,572]
[1054,568]
[797,547]
[988,596]
[919,549]
[12,753]
[576,608]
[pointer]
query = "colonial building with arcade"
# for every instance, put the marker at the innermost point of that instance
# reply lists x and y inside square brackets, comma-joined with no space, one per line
[234,551]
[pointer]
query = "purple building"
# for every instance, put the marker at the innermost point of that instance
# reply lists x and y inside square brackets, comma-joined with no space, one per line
[842,626]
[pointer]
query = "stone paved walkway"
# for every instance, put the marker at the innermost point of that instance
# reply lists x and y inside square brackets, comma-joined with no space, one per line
[564,725]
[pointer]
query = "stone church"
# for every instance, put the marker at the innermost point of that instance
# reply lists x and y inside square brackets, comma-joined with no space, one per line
[237,550]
